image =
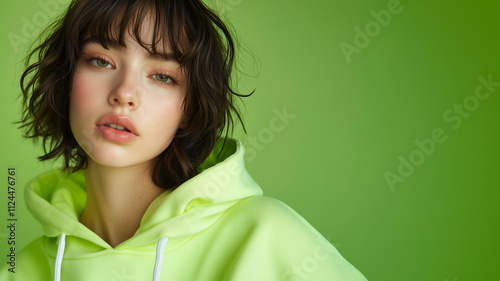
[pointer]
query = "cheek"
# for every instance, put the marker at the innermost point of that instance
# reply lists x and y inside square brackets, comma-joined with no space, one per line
[82,104]
[84,95]
[166,118]
[81,90]
[76,104]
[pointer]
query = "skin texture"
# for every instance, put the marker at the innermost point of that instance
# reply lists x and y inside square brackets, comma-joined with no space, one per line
[129,83]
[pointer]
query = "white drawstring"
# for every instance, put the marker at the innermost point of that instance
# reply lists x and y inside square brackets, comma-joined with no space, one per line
[159,258]
[158,263]
[59,257]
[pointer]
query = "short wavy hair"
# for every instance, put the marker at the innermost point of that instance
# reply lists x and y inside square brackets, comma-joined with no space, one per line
[199,40]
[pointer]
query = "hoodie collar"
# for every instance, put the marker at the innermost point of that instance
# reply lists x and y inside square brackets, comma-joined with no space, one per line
[58,199]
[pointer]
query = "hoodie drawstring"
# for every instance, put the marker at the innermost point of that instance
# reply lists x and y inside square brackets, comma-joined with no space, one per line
[160,249]
[159,258]
[59,257]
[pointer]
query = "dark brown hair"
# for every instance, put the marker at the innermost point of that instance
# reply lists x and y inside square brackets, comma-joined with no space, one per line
[197,37]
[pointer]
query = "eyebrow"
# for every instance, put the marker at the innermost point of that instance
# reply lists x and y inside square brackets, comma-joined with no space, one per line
[161,57]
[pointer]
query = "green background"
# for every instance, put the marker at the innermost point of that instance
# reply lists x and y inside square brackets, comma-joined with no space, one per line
[352,123]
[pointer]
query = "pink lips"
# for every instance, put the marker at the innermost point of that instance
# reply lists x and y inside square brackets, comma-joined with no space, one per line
[116,135]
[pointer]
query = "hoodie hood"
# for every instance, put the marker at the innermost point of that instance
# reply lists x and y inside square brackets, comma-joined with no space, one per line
[58,199]
[216,226]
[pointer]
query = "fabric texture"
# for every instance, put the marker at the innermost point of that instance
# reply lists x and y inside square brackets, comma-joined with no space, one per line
[218,225]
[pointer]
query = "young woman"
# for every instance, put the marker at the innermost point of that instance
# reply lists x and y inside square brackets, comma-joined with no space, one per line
[136,97]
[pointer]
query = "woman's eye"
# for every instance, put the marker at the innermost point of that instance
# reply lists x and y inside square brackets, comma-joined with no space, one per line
[101,63]
[162,78]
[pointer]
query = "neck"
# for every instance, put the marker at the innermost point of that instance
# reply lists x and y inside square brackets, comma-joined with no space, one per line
[117,199]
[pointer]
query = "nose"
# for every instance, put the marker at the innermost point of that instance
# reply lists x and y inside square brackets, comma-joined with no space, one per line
[126,94]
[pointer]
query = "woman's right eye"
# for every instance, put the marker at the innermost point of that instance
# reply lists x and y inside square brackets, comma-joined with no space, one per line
[101,63]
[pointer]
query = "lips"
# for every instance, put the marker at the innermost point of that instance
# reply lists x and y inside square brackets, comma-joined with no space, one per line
[116,128]
[122,121]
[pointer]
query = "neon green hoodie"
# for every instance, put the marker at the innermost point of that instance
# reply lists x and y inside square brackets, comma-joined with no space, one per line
[216,226]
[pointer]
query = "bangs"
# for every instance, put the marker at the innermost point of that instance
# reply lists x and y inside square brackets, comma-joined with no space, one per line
[110,22]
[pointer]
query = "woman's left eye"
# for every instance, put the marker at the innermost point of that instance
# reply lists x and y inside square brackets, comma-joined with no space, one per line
[163,78]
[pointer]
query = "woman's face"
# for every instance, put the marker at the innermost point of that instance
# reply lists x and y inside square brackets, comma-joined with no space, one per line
[125,105]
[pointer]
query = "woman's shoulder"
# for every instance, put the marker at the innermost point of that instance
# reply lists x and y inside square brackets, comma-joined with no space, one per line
[261,203]
[274,217]
[264,208]
[283,241]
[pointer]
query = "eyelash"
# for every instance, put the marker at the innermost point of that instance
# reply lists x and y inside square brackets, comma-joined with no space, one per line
[92,58]
[174,81]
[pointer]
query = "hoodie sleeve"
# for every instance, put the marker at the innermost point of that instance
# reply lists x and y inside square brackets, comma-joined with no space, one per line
[281,245]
